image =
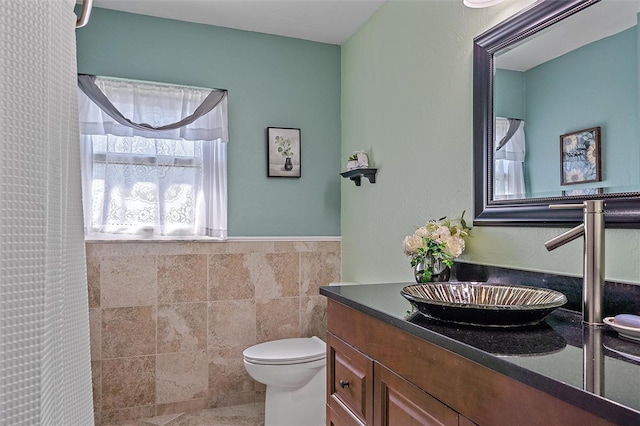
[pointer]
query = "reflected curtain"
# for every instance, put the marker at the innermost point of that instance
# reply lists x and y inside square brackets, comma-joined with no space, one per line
[509,156]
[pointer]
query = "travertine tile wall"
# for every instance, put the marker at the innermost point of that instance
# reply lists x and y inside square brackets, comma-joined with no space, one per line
[169,320]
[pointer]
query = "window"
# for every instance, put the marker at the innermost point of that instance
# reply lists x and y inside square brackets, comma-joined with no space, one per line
[153,158]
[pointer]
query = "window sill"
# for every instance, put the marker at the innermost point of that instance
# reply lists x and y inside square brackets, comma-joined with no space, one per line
[141,238]
[97,238]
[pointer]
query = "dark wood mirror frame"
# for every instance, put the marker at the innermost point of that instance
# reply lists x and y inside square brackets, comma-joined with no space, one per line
[622,210]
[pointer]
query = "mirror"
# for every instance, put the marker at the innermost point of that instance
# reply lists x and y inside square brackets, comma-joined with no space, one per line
[572,138]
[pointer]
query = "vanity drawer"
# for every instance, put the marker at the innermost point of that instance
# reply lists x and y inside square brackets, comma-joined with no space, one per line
[341,417]
[350,379]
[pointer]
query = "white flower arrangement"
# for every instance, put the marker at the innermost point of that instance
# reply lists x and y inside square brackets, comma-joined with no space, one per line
[439,240]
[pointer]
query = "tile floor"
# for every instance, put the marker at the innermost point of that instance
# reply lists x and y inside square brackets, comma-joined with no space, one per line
[239,415]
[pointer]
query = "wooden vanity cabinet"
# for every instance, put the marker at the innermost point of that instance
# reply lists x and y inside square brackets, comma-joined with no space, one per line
[397,379]
[364,392]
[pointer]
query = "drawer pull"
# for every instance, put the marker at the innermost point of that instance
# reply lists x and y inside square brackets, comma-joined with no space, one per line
[344,383]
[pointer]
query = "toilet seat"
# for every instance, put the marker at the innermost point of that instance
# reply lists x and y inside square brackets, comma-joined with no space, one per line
[286,351]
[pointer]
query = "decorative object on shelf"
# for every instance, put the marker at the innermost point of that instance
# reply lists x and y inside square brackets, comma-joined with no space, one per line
[352,163]
[283,152]
[580,153]
[358,160]
[433,247]
[357,174]
[358,166]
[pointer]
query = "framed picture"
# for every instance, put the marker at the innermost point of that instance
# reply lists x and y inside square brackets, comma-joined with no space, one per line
[283,152]
[581,191]
[580,156]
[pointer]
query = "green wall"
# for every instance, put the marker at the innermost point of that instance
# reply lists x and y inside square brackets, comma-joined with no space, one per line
[272,82]
[406,95]
[509,94]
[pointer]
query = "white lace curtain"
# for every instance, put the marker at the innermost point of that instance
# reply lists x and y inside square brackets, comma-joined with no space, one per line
[138,179]
[509,155]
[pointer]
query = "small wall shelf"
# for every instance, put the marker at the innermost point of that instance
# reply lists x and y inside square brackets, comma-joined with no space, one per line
[356,175]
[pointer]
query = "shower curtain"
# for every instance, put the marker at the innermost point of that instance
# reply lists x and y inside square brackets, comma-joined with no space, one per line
[45,372]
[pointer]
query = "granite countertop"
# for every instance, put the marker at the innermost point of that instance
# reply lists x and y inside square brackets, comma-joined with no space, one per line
[549,356]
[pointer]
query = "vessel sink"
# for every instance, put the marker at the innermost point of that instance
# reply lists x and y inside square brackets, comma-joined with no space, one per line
[482,304]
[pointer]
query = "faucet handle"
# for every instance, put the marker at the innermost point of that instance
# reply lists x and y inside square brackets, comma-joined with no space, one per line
[589,206]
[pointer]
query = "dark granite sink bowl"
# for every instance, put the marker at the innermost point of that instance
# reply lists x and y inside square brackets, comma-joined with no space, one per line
[482,304]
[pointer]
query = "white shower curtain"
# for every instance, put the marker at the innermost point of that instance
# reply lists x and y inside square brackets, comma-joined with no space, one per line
[45,372]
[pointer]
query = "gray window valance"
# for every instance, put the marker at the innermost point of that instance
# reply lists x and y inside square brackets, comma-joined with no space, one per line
[87,83]
[514,123]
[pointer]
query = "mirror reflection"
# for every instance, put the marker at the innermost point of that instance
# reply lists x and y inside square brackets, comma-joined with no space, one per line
[552,91]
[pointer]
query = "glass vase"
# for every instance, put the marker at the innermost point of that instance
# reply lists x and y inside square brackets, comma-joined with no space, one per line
[440,272]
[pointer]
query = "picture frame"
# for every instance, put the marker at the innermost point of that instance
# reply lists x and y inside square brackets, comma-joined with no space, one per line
[581,192]
[580,156]
[284,152]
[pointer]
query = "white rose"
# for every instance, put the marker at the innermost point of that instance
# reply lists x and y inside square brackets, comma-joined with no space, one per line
[441,234]
[445,233]
[421,232]
[454,246]
[411,244]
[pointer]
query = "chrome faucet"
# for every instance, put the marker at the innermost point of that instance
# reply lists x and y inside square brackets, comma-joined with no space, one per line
[593,277]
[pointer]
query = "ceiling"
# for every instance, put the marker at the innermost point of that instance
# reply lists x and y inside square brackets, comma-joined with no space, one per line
[596,22]
[325,21]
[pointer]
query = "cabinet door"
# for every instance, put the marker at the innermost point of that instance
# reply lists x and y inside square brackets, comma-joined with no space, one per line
[349,379]
[400,403]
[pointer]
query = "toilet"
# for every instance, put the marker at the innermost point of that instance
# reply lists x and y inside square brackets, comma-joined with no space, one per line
[294,371]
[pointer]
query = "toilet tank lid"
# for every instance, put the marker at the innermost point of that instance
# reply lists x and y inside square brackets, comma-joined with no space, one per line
[286,351]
